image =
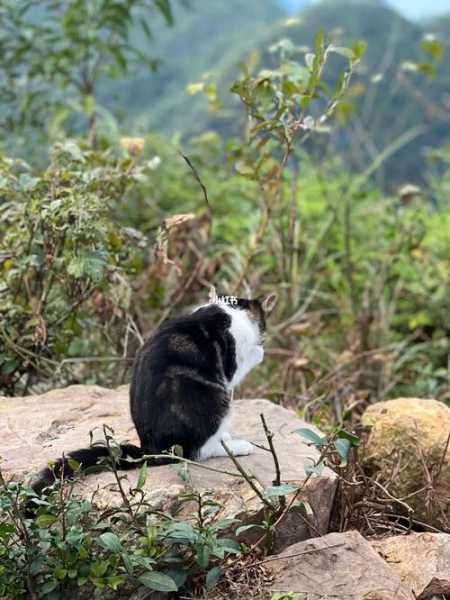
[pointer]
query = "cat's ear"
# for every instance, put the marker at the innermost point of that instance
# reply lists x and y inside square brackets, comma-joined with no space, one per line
[212,296]
[269,302]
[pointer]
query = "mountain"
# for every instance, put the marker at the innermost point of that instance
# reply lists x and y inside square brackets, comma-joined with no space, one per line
[207,36]
[217,36]
[387,107]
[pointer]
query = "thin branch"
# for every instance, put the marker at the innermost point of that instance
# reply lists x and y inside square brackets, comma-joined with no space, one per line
[294,554]
[200,182]
[248,478]
[194,464]
[269,436]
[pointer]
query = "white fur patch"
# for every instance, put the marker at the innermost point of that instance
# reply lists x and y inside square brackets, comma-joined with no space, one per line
[213,447]
[247,337]
[249,353]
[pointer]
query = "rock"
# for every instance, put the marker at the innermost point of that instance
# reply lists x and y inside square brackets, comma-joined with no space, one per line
[421,560]
[409,436]
[37,429]
[337,565]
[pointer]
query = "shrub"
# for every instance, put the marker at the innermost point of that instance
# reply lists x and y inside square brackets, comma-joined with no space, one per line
[64,261]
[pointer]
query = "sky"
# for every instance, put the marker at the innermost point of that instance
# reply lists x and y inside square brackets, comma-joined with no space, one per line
[421,8]
[413,9]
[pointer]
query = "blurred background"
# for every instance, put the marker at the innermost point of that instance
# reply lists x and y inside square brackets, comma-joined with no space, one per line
[320,132]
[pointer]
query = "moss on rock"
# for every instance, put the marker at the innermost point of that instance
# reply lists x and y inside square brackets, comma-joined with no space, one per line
[408,444]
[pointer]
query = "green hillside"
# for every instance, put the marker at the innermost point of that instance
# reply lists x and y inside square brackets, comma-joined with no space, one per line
[207,36]
[215,37]
[387,108]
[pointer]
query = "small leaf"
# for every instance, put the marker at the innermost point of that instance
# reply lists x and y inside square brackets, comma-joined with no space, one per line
[158,581]
[110,541]
[37,565]
[203,556]
[74,464]
[179,576]
[73,150]
[146,29]
[28,183]
[244,528]
[343,446]
[195,88]
[315,469]
[60,573]
[347,52]
[44,521]
[164,7]
[433,47]
[229,545]
[98,569]
[48,587]
[115,581]
[309,59]
[280,490]
[359,49]
[181,533]
[142,476]
[127,563]
[319,41]
[311,436]
[427,69]
[304,508]
[212,578]
[353,439]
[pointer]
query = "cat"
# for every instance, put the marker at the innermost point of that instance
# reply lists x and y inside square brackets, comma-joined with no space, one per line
[182,385]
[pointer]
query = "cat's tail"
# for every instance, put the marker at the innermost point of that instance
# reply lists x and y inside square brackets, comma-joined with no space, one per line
[131,458]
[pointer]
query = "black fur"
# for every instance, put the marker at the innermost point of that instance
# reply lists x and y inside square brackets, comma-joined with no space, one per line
[179,392]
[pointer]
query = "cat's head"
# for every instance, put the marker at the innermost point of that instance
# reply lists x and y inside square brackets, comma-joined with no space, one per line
[258,309]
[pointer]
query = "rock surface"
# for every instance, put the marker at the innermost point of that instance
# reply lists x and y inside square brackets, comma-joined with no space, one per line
[421,560]
[37,429]
[409,437]
[337,565]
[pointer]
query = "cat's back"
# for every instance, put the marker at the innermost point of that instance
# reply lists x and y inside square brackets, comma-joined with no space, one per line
[189,341]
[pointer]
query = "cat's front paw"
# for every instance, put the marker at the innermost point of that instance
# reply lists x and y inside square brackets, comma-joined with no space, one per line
[240,447]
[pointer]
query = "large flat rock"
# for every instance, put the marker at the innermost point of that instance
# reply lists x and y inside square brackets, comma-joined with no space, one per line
[37,429]
[340,566]
[422,560]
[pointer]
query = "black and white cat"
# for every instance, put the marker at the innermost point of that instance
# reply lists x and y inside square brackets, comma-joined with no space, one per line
[182,385]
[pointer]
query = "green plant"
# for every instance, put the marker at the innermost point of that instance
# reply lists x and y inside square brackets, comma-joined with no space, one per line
[63,261]
[72,544]
[284,106]
[54,53]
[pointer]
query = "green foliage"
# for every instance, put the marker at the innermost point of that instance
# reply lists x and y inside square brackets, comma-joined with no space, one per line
[207,39]
[334,448]
[61,258]
[291,98]
[368,272]
[372,105]
[54,53]
[102,244]
[72,545]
